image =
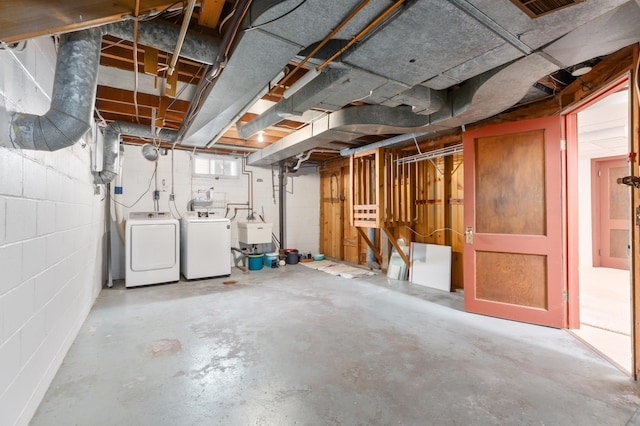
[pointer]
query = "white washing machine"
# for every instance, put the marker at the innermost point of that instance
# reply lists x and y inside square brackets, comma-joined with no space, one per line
[152,252]
[205,248]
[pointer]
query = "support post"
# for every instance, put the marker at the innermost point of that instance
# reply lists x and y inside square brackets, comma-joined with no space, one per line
[281,203]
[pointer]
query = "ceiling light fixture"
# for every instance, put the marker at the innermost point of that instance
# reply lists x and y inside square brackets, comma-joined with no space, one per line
[260,136]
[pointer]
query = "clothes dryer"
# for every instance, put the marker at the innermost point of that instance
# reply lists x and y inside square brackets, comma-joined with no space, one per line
[152,249]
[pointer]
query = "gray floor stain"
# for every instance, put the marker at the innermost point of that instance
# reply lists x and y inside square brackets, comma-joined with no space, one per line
[165,347]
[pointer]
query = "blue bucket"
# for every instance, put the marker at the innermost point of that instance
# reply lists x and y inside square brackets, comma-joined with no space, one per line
[269,258]
[255,261]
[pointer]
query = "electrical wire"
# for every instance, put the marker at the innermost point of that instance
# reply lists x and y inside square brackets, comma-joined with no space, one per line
[184,87]
[437,230]
[155,170]
[364,97]
[254,27]
[169,202]
[214,70]
[224,21]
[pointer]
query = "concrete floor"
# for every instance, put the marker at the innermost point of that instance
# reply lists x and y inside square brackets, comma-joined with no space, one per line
[298,346]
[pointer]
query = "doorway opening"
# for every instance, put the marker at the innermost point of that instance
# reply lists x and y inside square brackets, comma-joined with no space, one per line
[604,227]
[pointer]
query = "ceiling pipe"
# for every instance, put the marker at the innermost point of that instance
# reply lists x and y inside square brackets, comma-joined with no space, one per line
[302,157]
[112,134]
[326,40]
[363,33]
[75,83]
[396,140]
[183,32]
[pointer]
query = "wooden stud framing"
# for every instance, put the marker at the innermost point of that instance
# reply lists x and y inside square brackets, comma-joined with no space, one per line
[376,250]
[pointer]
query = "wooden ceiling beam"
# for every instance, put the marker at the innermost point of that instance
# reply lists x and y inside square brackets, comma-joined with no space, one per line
[143,121]
[241,142]
[143,110]
[126,97]
[210,11]
[189,74]
[137,141]
[124,48]
[66,16]
[233,133]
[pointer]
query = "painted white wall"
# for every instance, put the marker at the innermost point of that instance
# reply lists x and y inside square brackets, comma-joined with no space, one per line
[302,227]
[603,132]
[51,241]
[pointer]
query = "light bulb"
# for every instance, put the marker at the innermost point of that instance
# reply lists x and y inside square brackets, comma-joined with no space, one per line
[260,137]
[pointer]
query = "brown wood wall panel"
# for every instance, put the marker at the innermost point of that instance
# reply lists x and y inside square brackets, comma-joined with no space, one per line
[526,273]
[351,242]
[338,239]
[510,174]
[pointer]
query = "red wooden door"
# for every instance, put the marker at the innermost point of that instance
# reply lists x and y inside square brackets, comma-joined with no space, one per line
[611,207]
[513,260]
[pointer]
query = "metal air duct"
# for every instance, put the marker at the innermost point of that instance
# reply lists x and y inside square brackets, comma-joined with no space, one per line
[75,82]
[112,134]
[72,100]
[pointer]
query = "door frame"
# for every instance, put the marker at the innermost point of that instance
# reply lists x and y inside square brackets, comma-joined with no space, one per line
[571,181]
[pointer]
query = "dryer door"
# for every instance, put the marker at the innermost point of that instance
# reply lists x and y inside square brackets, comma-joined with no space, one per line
[153,247]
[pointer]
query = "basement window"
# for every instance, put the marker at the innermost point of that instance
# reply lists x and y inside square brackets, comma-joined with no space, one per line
[538,8]
[216,166]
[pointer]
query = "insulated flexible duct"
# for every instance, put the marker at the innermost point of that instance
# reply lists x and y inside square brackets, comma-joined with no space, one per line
[75,83]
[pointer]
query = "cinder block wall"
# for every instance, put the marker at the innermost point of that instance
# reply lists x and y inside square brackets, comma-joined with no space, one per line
[51,240]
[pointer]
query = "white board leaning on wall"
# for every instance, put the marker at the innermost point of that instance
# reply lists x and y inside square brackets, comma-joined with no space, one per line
[431,266]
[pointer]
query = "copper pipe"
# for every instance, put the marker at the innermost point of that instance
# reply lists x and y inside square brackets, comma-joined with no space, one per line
[362,33]
[326,40]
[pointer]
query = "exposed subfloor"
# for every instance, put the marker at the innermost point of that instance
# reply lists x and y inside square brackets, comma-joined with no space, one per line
[297,346]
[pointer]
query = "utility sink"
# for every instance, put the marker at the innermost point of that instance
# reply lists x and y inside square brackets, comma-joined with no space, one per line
[254,232]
